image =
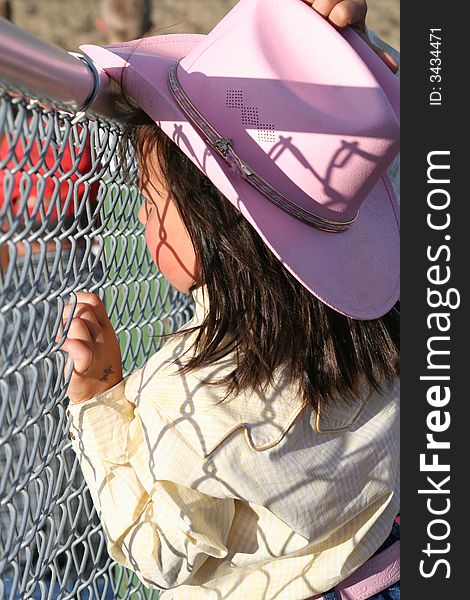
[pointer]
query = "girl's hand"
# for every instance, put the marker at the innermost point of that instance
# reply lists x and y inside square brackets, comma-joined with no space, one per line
[342,13]
[93,347]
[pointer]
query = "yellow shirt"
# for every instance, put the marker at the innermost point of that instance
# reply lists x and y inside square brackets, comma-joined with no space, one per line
[252,498]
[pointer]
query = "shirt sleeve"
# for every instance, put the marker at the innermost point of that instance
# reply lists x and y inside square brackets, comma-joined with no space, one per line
[160,529]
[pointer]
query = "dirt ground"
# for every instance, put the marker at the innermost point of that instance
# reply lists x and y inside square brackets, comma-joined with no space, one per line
[70,23]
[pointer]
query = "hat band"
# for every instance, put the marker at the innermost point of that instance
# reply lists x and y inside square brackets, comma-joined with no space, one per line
[224,147]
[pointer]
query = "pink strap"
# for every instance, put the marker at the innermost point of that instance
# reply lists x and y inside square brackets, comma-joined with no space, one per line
[377,574]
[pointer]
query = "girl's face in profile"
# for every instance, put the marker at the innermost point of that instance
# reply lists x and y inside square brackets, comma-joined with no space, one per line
[167,238]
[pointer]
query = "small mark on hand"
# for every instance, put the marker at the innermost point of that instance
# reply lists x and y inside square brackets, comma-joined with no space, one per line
[106,373]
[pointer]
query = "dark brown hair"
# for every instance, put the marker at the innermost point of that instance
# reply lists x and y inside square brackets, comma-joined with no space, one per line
[270,318]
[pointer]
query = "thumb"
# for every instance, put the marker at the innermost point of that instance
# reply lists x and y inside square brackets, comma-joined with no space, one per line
[387,59]
[384,56]
[80,353]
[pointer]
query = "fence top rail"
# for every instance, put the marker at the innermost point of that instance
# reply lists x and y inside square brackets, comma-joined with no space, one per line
[47,72]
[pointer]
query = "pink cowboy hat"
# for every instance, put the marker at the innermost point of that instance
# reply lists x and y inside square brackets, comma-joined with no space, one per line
[295,123]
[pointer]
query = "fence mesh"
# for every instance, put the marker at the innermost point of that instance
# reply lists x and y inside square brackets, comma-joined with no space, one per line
[68,222]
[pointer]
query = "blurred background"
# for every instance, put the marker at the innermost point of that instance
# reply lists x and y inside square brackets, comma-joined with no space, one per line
[69,23]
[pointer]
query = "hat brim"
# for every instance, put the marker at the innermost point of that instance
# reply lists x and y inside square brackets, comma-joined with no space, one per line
[356,272]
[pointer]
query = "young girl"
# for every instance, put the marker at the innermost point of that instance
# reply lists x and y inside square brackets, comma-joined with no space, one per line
[256,454]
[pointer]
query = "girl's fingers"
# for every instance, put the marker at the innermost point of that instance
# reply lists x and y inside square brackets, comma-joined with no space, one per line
[384,56]
[387,59]
[80,310]
[324,7]
[79,330]
[80,353]
[342,13]
[348,12]
[96,305]
[86,313]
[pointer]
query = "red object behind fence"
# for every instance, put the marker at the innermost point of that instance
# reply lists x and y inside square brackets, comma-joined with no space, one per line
[45,181]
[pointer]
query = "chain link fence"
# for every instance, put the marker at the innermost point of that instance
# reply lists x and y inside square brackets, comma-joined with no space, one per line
[68,222]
